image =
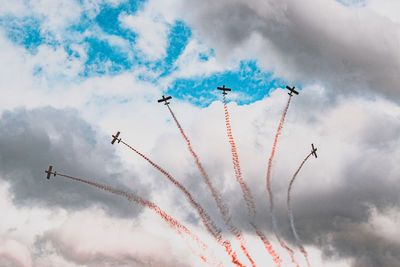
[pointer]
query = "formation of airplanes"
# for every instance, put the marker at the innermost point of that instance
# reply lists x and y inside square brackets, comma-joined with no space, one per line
[164,99]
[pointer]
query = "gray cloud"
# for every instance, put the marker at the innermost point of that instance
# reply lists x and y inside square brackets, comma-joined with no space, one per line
[334,196]
[347,49]
[360,173]
[52,243]
[32,140]
[6,261]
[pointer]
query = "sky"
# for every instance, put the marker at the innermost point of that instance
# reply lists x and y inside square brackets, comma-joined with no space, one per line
[74,72]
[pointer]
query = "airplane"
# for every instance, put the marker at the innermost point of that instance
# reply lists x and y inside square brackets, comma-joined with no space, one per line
[292,90]
[224,89]
[49,172]
[313,150]
[164,99]
[115,138]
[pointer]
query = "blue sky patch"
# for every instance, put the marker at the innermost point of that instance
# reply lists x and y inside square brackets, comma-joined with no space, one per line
[248,80]
[24,32]
[178,39]
[104,59]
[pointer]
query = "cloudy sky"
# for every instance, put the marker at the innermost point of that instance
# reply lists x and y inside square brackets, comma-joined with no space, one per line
[73,72]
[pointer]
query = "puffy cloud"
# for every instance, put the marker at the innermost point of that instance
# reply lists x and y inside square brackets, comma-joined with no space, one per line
[152,25]
[197,61]
[13,253]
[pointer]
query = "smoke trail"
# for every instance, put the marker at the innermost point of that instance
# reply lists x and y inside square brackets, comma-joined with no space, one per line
[290,213]
[236,165]
[173,223]
[221,206]
[271,196]
[246,191]
[208,223]
[268,246]
[278,132]
[288,249]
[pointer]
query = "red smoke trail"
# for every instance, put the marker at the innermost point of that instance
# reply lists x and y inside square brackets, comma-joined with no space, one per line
[268,246]
[288,249]
[236,165]
[221,206]
[246,191]
[173,223]
[271,196]
[208,223]
[303,250]
[290,213]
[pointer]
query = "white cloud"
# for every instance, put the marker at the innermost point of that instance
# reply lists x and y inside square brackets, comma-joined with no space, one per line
[152,25]
[197,60]
[385,8]
[57,14]
[16,8]
[152,34]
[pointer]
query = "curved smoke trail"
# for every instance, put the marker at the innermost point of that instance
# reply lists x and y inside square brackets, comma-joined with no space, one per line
[290,213]
[173,223]
[207,221]
[271,158]
[271,196]
[288,249]
[221,206]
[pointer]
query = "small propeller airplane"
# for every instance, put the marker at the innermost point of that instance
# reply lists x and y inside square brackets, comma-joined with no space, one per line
[49,172]
[115,138]
[224,89]
[164,99]
[292,90]
[313,150]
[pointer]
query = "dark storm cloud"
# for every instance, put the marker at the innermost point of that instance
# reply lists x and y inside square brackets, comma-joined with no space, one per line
[308,41]
[31,140]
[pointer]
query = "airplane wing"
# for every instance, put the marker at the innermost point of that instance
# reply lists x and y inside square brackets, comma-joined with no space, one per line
[292,90]
[163,99]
